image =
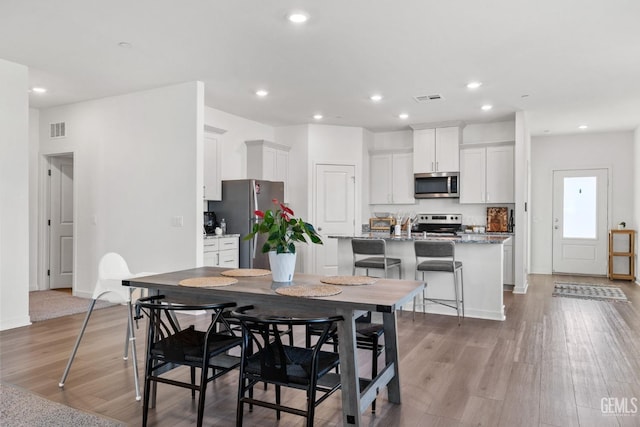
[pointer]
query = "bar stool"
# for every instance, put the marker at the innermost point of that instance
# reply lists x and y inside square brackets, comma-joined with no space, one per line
[373,247]
[439,256]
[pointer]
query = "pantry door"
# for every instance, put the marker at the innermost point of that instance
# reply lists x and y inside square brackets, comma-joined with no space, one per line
[580,206]
[335,212]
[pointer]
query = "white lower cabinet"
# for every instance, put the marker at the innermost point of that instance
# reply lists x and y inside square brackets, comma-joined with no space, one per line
[221,251]
[508,262]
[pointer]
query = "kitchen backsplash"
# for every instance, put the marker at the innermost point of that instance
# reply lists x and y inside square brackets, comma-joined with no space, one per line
[472,214]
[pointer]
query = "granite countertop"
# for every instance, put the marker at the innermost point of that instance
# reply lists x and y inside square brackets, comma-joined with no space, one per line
[462,238]
[215,236]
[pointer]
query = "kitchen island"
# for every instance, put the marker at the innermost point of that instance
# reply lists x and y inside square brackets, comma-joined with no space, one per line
[482,258]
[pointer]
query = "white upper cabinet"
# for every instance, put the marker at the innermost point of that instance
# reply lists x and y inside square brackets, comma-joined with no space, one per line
[212,184]
[436,150]
[486,174]
[473,170]
[391,178]
[269,161]
[500,174]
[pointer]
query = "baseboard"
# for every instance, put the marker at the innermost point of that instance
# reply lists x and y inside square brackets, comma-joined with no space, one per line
[15,323]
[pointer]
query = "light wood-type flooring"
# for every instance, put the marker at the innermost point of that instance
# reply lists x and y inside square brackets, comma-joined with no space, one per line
[551,363]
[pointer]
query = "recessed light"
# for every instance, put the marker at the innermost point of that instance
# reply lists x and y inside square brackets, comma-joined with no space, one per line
[317,116]
[39,89]
[376,97]
[474,85]
[486,107]
[403,116]
[583,127]
[262,92]
[298,17]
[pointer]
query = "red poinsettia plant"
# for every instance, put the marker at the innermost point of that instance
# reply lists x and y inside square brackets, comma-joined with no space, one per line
[282,229]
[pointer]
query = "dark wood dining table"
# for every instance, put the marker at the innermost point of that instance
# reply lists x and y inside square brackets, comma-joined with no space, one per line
[385,296]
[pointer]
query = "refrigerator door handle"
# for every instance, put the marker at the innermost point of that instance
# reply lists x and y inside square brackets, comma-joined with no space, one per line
[255,218]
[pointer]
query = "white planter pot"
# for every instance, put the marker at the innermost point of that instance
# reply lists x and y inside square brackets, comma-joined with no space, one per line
[282,266]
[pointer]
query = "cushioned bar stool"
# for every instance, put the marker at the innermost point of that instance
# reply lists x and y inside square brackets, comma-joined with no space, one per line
[379,260]
[440,256]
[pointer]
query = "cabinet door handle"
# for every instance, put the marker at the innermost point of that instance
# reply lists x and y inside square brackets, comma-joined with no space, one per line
[488,196]
[437,166]
[204,191]
[432,167]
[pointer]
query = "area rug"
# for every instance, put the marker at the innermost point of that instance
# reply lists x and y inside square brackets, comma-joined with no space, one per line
[21,408]
[44,305]
[589,291]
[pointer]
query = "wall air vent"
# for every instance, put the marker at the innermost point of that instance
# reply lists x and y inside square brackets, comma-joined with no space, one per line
[428,98]
[58,130]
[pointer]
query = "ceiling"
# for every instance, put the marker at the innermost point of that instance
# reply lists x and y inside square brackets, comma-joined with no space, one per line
[565,62]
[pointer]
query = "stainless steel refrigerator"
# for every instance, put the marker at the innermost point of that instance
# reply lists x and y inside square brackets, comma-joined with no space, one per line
[240,199]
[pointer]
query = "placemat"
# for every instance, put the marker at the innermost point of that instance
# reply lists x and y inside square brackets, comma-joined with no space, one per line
[349,280]
[309,290]
[246,272]
[208,282]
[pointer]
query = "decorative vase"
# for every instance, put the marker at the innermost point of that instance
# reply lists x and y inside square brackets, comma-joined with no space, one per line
[282,266]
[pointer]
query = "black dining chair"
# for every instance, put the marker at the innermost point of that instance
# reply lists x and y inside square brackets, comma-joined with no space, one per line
[170,346]
[368,336]
[266,359]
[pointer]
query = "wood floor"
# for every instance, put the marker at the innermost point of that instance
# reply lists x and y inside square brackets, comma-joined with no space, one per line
[551,363]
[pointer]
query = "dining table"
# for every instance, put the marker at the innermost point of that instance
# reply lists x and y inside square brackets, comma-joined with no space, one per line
[383,296]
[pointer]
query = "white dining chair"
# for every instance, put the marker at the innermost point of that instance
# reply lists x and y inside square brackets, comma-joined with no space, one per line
[112,269]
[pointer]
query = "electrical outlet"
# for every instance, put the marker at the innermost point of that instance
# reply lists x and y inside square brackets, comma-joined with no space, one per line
[177,221]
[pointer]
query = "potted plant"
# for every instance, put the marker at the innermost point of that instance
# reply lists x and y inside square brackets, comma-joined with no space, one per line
[283,231]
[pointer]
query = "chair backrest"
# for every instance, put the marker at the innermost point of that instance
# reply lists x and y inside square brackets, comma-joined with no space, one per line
[162,320]
[113,266]
[434,249]
[368,246]
[260,333]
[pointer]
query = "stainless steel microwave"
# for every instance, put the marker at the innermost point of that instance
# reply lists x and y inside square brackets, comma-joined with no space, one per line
[437,184]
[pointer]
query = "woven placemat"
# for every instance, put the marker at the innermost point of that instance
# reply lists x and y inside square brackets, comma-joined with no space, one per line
[309,290]
[208,282]
[349,280]
[246,272]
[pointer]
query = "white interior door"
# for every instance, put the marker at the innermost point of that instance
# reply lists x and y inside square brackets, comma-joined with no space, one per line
[335,212]
[61,223]
[580,204]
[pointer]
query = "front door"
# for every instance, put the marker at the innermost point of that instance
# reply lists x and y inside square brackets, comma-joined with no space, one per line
[335,212]
[580,203]
[61,223]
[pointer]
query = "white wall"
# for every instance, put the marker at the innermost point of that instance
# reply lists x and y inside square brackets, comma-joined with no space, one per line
[636,194]
[581,151]
[522,186]
[14,196]
[135,170]
[34,146]
[233,149]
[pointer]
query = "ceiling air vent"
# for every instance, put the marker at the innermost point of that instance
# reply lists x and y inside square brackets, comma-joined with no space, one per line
[428,98]
[57,130]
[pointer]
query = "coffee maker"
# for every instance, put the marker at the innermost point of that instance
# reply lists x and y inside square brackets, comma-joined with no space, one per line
[210,222]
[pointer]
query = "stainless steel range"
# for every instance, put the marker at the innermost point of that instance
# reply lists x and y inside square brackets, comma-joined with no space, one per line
[438,224]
